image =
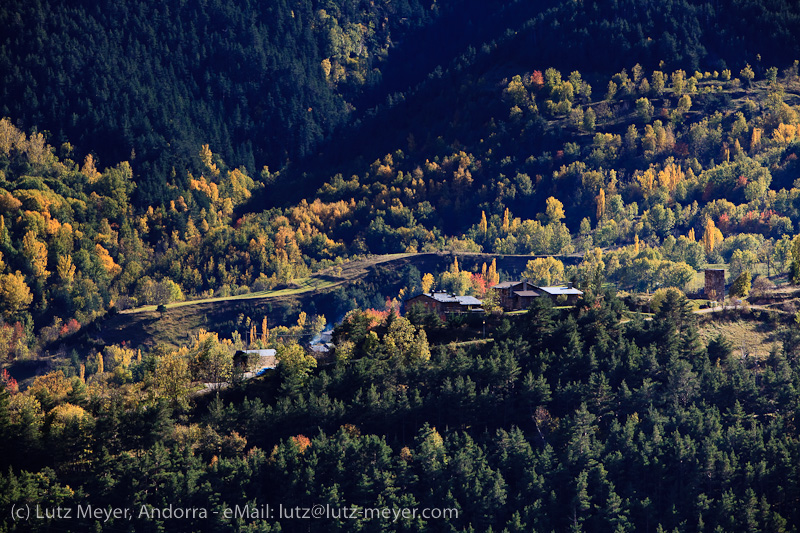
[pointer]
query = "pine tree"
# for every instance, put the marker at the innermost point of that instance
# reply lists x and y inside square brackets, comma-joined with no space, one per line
[747,74]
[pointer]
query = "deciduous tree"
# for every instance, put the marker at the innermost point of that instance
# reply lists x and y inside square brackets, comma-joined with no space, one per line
[741,285]
[15,296]
[544,271]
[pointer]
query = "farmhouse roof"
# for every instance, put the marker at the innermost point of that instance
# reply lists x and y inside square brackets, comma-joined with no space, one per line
[446,298]
[506,284]
[263,353]
[526,294]
[557,291]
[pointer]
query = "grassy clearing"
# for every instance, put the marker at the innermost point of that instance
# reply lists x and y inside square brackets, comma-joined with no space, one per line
[325,279]
[754,338]
[302,285]
[476,342]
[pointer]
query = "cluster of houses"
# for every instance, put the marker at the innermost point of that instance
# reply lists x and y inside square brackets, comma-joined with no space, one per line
[512,296]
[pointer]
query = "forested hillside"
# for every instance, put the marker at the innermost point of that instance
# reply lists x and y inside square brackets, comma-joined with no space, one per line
[152,153]
[260,82]
[570,421]
[266,83]
[673,170]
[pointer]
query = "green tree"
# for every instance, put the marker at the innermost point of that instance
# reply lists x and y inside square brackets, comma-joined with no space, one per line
[294,367]
[589,119]
[644,109]
[211,359]
[659,296]
[631,139]
[741,285]
[172,376]
[794,266]
[678,79]
[684,104]
[611,92]
[659,82]
[747,74]
[772,75]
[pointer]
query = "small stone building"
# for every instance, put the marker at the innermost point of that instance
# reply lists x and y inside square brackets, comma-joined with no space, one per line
[715,284]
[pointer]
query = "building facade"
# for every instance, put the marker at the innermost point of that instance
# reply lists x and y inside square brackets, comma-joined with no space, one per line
[443,303]
[517,295]
[715,284]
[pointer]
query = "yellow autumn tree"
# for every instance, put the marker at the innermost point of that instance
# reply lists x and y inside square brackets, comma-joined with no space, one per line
[67,414]
[36,253]
[106,261]
[206,159]
[65,269]
[670,176]
[492,277]
[51,388]
[784,133]
[712,236]
[122,358]
[89,169]
[483,227]
[646,181]
[544,271]
[15,295]
[554,210]
[601,205]
[264,331]
[427,283]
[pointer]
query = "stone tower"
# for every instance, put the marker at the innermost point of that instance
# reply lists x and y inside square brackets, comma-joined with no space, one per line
[715,284]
